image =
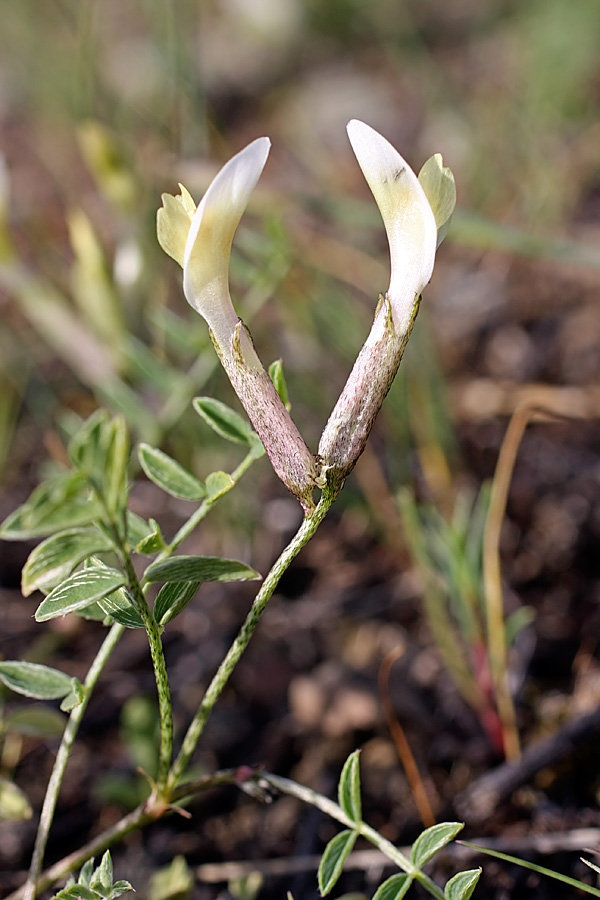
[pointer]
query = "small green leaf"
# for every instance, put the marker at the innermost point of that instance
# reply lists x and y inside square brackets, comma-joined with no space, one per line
[172,598]
[332,861]
[199,568]
[433,839]
[118,888]
[34,680]
[120,606]
[35,720]
[78,591]
[64,501]
[87,870]
[152,543]
[93,613]
[224,420]
[349,788]
[115,466]
[394,888]
[14,805]
[462,885]
[55,558]
[173,882]
[169,474]
[137,528]
[278,378]
[75,697]
[78,892]
[87,447]
[102,878]
[217,484]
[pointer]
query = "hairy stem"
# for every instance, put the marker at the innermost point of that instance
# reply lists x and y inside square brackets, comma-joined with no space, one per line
[62,757]
[160,674]
[310,524]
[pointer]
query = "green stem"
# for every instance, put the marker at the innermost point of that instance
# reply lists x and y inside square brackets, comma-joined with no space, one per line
[160,673]
[62,757]
[148,811]
[305,532]
[307,795]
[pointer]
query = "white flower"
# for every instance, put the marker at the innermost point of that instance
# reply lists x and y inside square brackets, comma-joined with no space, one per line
[200,240]
[407,215]
[411,213]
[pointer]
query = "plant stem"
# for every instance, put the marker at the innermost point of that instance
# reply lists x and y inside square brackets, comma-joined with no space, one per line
[160,674]
[146,812]
[310,524]
[307,795]
[62,757]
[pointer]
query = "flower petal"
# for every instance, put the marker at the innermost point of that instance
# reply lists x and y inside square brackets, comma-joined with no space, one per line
[407,215]
[208,246]
[173,222]
[437,181]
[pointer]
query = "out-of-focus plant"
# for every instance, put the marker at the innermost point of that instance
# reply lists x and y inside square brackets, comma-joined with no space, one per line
[448,553]
[85,562]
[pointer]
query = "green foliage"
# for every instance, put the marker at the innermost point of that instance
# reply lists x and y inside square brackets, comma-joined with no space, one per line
[63,501]
[432,840]
[225,422]
[94,884]
[218,484]
[394,888]
[169,475]
[52,561]
[80,590]
[462,885]
[173,598]
[34,680]
[14,805]
[199,568]
[349,788]
[332,861]
[278,378]
[173,882]
[34,720]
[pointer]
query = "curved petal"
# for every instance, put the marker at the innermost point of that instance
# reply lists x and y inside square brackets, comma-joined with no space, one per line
[407,215]
[208,245]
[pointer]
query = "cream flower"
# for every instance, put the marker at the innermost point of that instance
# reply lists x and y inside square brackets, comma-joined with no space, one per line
[200,240]
[411,218]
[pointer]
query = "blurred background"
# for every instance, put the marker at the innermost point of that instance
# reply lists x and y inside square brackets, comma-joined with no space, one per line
[103,106]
